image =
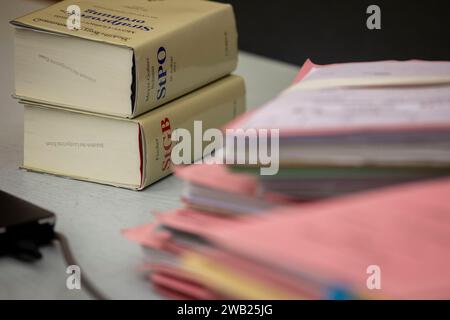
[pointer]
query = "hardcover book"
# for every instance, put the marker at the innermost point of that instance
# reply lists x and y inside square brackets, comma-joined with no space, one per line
[129,153]
[123,58]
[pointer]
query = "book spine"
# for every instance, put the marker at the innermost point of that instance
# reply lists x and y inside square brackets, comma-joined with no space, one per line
[214,105]
[185,59]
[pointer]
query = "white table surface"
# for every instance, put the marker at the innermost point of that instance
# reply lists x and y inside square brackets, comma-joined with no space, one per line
[91,215]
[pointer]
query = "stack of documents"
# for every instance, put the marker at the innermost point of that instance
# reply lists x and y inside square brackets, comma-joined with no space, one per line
[215,189]
[369,142]
[351,127]
[389,243]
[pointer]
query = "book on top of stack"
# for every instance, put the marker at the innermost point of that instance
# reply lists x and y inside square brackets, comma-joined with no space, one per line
[102,95]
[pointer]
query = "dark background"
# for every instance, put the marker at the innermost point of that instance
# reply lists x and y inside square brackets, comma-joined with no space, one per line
[335,31]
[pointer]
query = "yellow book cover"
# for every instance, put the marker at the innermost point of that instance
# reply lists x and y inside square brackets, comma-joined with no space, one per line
[122,57]
[129,153]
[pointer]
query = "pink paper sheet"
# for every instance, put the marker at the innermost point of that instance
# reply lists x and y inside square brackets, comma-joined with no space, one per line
[403,230]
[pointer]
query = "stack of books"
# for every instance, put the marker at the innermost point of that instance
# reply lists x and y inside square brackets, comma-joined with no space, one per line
[105,83]
[356,208]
